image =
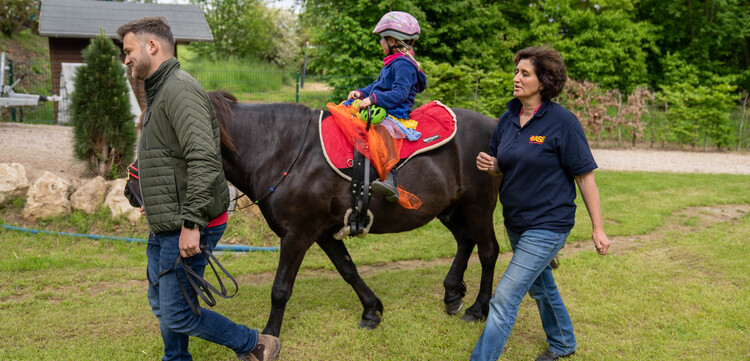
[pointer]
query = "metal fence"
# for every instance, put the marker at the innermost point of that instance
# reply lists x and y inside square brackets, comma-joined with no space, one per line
[249,86]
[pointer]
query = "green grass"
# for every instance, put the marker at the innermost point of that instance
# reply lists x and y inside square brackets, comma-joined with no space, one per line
[35,45]
[683,296]
[235,75]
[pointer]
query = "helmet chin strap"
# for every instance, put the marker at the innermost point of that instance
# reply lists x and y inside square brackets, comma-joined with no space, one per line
[392,47]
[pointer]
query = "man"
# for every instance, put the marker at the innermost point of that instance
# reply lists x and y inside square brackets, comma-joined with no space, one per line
[184,192]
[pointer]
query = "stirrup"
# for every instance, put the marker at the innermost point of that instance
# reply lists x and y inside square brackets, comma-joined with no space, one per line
[388,190]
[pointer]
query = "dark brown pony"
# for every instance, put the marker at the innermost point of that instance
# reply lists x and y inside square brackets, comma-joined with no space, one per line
[308,206]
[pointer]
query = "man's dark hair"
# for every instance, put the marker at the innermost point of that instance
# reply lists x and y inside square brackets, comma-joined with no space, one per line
[549,68]
[152,25]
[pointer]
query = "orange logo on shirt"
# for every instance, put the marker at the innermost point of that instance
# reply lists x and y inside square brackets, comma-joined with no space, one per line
[536,139]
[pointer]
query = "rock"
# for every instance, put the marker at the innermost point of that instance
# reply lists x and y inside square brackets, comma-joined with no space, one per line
[13,181]
[118,204]
[47,197]
[88,197]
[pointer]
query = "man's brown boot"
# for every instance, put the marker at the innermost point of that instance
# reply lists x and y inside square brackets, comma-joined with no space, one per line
[268,348]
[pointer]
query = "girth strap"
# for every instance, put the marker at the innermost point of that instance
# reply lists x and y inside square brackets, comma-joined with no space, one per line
[360,191]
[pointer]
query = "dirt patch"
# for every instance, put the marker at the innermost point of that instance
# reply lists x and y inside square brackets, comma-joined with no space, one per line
[40,148]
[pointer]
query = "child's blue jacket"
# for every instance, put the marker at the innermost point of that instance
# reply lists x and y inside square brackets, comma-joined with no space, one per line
[398,83]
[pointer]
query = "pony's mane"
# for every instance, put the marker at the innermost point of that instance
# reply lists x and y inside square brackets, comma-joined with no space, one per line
[220,99]
[223,102]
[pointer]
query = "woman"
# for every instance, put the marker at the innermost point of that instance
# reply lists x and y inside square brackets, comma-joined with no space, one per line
[540,150]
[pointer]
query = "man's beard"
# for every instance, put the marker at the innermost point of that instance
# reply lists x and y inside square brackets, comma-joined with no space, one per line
[141,68]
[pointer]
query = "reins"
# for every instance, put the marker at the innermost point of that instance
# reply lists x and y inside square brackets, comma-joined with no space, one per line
[198,285]
[288,169]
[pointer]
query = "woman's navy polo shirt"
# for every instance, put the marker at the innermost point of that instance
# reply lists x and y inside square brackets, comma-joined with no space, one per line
[539,163]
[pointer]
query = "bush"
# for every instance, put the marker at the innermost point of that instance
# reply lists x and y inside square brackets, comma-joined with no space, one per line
[103,128]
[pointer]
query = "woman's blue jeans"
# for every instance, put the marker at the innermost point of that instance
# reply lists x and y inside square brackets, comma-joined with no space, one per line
[528,271]
[176,320]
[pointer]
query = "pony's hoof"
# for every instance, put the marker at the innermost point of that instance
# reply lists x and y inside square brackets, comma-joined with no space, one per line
[452,308]
[368,324]
[470,318]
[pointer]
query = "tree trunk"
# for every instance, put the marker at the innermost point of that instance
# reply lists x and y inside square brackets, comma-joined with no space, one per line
[619,120]
[653,132]
[103,160]
[666,120]
[742,118]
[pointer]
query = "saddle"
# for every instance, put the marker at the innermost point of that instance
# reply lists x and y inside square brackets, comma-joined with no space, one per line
[350,151]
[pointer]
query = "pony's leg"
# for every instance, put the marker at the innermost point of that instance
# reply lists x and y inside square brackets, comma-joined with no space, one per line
[479,219]
[455,288]
[339,255]
[290,258]
[472,225]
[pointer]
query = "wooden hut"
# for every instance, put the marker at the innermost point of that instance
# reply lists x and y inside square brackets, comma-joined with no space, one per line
[70,24]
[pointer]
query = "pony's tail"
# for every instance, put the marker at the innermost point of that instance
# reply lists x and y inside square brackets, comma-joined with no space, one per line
[220,99]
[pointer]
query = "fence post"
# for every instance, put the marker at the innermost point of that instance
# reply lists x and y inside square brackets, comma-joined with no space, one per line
[297,88]
[304,65]
[10,82]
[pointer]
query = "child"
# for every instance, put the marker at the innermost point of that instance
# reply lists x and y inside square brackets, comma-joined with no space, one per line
[398,83]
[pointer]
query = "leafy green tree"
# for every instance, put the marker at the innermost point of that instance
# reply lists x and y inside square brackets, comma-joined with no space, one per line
[16,15]
[713,35]
[600,43]
[461,86]
[248,29]
[103,128]
[697,112]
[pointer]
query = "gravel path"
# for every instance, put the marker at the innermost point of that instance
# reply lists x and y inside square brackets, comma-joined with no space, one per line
[49,147]
[672,161]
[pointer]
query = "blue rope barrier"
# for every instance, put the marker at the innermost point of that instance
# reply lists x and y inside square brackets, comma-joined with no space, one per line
[220,247]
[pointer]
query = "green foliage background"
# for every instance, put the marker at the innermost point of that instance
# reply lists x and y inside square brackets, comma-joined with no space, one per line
[16,15]
[103,131]
[618,43]
[694,56]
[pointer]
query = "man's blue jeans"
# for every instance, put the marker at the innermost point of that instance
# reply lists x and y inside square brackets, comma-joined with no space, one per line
[176,321]
[528,271]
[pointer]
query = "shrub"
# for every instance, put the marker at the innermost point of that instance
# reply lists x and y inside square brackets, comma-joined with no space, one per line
[103,128]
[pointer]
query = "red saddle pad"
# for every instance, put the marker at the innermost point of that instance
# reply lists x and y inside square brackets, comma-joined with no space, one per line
[435,121]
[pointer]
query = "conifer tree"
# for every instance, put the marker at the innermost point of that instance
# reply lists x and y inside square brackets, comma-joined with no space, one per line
[103,128]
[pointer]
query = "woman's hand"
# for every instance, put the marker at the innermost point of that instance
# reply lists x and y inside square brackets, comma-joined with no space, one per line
[488,163]
[353,95]
[601,242]
[590,194]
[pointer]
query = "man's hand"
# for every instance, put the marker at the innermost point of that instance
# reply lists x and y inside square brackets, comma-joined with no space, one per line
[190,242]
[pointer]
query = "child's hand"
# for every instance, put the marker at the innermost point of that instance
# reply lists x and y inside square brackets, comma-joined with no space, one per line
[365,103]
[353,95]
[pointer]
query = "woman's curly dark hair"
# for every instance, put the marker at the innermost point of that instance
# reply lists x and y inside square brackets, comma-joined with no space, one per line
[549,68]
